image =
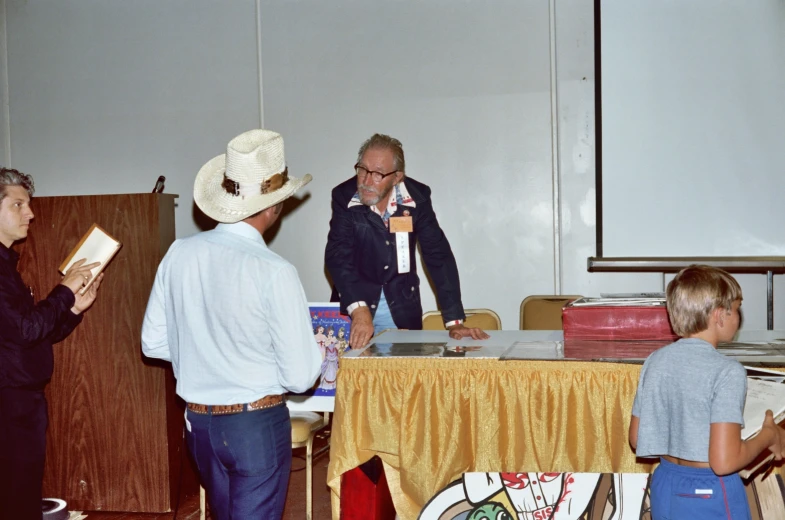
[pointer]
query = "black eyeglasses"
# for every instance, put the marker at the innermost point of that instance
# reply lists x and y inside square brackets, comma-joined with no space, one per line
[363,172]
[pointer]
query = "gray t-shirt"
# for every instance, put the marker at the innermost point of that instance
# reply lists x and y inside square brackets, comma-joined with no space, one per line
[684,388]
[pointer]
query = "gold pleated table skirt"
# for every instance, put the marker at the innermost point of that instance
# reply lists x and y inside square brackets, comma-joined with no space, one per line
[432,419]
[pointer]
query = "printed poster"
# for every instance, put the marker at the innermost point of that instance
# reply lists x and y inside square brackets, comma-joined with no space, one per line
[331,331]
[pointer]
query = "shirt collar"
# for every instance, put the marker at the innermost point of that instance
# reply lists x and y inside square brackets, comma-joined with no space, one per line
[401,196]
[9,255]
[242,229]
[695,342]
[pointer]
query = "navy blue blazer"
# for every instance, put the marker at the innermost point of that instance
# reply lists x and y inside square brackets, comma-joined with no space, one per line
[362,261]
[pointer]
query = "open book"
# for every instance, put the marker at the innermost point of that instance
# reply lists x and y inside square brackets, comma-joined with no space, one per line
[765,391]
[96,246]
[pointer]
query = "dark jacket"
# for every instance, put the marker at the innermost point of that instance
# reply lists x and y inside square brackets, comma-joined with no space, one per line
[361,257]
[28,329]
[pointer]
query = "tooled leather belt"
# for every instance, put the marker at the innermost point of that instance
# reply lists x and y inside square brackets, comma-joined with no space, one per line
[267,401]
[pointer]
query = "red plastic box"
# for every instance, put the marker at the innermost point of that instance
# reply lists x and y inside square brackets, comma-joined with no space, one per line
[623,322]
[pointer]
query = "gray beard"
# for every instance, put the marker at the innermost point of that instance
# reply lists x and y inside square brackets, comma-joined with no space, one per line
[375,200]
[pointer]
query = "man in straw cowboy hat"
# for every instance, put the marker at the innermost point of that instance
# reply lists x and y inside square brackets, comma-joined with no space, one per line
[232,317]
[379,217]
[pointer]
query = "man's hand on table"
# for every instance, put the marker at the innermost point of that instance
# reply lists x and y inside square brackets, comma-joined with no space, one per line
[362,327]
[461,331]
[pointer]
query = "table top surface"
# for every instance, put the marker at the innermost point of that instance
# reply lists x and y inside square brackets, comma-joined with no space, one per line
[749,346]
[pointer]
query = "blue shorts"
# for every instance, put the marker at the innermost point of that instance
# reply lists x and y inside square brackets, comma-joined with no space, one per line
[696,493]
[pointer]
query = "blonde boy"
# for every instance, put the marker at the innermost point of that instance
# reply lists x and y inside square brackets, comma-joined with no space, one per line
[689,404]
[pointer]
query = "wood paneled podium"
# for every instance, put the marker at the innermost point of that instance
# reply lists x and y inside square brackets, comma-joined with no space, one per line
[115,438]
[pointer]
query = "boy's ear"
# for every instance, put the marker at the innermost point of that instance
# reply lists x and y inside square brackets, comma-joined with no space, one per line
[718,316]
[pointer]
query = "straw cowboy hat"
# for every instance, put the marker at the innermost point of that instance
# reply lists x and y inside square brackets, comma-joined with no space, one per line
[249,177]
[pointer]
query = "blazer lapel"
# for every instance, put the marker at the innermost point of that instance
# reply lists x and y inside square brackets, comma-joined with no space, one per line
[375,220]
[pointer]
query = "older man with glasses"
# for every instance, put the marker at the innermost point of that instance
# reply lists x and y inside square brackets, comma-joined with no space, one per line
[379,216]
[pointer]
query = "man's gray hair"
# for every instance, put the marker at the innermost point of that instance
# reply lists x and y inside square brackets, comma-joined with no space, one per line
[11,177]
[388,143]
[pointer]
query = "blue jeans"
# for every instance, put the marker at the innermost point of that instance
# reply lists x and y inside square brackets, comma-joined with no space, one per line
[696,493]
[243,460]
[382,320]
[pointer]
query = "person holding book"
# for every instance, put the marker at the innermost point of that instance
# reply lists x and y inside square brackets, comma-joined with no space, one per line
[379,217]
[689,404]
[27,331]
[232,317]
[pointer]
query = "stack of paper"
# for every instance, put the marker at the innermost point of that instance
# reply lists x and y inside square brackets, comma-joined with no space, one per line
[765,391]
[618,302]
[762,395]
[660,295]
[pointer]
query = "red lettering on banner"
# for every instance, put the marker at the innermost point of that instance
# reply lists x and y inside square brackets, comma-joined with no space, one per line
[543,514]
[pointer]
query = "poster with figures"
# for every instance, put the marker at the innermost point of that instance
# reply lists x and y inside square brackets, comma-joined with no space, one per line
[331,332]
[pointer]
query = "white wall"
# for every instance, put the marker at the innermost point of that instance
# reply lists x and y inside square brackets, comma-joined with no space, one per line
[107,95]
[5,127]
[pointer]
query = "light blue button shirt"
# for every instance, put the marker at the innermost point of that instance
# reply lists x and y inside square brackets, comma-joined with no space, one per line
[232,317]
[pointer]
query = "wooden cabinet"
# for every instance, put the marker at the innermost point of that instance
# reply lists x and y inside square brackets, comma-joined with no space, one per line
[115,440]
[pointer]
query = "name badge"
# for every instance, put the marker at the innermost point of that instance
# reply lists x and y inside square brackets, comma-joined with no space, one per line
[402,251]
[401,225]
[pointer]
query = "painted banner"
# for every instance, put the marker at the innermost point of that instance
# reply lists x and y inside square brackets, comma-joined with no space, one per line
[573,496]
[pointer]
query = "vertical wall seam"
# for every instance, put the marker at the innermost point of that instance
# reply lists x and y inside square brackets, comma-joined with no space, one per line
[556,178]
[6,91]
[259,61]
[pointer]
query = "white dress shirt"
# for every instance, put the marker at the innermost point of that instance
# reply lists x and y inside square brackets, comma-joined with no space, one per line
[232,317]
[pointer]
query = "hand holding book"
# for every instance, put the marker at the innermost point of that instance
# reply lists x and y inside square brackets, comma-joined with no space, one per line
[775,451]
[777,434]
[97,247]
[80,280]
[79,275]
[85,298]
[765,392]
